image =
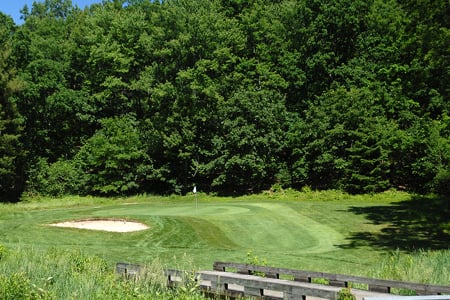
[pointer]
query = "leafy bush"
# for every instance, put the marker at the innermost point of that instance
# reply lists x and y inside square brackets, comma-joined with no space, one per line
[18,286]
[55,180]
[442,182]
[114,160]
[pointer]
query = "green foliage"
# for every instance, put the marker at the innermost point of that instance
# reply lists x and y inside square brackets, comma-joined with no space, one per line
[114,160]
[16,286]
[249,142]
[346,294]
[67,274]
[11,123]
[442,182]
[189,286]
[57,179]
[235,96]
[256,261]
[343,143]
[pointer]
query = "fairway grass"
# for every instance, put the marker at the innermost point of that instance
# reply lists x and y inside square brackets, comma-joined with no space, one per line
[298,231]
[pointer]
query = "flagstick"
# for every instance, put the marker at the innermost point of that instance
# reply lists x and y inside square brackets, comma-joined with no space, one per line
[195,195]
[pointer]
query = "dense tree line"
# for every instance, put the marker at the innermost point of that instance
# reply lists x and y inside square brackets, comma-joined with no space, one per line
[234,96]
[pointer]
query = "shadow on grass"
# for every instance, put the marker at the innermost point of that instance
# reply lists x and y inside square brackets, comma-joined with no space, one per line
[419,223]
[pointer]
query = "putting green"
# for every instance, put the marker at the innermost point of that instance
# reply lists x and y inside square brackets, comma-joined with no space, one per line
[264,225]
[176,210]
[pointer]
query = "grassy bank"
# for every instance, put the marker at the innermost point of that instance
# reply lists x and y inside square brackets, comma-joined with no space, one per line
[321,231]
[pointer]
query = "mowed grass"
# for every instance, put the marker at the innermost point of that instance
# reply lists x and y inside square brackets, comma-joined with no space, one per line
[317,231]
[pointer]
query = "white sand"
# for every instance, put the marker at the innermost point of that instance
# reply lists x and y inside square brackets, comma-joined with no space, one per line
[104,225]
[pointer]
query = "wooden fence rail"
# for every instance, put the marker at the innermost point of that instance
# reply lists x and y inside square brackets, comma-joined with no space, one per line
[340,280]
[432,297]
[235,285]
[242,282]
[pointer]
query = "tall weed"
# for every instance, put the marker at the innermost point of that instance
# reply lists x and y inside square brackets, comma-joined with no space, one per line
[256,261]
[29,273]
[431,267]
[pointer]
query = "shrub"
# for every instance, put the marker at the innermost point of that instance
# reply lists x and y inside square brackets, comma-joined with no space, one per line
[18,286]
[54,180]
[441,182]
[114,159]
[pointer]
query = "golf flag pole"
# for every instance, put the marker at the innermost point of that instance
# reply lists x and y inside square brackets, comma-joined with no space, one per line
[195,194]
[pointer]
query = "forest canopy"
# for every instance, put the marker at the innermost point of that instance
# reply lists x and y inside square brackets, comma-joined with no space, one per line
[233,96]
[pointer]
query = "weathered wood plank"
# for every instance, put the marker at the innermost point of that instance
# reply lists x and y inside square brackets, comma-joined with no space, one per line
[127,270]
[431,297]
[235,285]
[262,286]
[379,285]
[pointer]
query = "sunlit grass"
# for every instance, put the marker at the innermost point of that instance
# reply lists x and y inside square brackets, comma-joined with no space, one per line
[27,273]
[311,230]
[420,266]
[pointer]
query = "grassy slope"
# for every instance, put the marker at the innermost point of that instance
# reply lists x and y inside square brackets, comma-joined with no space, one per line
[305,231]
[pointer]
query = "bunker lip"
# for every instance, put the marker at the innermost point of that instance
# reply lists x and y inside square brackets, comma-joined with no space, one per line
[111,225]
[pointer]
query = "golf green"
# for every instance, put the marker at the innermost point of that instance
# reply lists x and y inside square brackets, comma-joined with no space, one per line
[296,234]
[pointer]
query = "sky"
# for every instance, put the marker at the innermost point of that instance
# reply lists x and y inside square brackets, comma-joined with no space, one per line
[13,7]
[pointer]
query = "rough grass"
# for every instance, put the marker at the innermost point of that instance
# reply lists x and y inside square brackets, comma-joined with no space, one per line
[322,231]
[423,266]
[27,273]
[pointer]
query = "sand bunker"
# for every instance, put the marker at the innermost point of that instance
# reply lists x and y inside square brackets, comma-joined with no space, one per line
[104,225]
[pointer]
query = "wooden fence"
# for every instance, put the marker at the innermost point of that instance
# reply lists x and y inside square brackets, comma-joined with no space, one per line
[340,280]
[237,285]
[432,297]
[241,281]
